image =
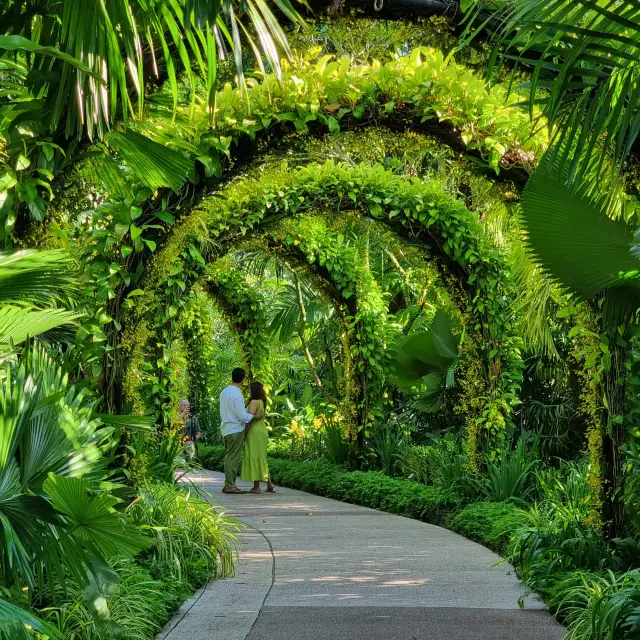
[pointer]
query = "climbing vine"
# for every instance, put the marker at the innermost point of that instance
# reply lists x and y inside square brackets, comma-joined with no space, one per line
[423,210]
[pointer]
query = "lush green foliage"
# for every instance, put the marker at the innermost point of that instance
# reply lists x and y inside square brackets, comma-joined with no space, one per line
[328,276]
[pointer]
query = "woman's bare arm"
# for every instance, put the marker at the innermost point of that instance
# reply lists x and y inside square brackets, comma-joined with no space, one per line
[253,409]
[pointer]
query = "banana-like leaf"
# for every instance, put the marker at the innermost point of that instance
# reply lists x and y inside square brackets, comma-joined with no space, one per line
[153,164]
[571,237]
[433,351]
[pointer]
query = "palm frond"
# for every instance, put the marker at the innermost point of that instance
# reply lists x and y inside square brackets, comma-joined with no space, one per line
[16,620]
[36,277]
[90,61]
[153,164]
[571,237]
[19,323]
[531,305]
[585,62]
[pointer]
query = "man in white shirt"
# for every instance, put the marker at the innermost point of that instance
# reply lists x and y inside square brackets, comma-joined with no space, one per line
[234,418]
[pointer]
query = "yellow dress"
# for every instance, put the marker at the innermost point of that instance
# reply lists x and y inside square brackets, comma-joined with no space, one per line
[254,458]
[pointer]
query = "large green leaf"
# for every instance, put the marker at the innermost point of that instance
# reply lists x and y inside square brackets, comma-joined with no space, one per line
[425,352]
[92,518]
[38,277]
[14,615]
[153,164]
[571,237]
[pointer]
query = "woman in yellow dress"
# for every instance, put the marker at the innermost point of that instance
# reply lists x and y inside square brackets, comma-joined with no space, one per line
[254,460]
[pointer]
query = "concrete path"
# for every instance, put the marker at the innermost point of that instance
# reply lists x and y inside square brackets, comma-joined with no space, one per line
[325,570]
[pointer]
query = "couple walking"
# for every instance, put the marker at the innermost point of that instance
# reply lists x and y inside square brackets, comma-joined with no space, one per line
[245,435]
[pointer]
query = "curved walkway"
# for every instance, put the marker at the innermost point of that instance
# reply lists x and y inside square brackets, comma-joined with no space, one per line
[315,568]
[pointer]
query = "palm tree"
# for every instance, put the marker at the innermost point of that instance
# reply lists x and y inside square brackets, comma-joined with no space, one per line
[590,255]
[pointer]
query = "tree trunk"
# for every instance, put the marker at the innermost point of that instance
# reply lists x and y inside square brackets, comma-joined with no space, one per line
[614,432]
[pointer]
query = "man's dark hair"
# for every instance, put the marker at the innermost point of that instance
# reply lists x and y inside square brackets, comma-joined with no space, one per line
[237,375]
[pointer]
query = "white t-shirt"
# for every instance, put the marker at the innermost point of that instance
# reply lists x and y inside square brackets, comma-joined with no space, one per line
[233,415]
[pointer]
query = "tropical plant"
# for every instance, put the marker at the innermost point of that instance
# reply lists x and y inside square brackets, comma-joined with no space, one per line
[599,606]
[388,443]
[92,63]
[186,529]
[584,59]
[31,284]
[70,69]
[16,623]
[54,451]
[611,277]
[413,462]
[511,478]
[428,358]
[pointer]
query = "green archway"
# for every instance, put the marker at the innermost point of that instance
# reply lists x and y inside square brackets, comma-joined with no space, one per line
[422,210]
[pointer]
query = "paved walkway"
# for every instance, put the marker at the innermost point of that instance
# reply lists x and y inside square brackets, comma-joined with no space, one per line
[325,570]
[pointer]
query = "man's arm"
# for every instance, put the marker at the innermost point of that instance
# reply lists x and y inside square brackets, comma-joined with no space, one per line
[196,428]
[241,413]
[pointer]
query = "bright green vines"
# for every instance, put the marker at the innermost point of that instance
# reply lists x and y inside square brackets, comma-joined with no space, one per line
[336,93]
[244,305]
[347,266]
[421,209]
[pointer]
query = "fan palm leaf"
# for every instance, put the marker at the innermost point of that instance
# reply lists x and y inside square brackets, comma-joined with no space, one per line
[49,430]
[571,237]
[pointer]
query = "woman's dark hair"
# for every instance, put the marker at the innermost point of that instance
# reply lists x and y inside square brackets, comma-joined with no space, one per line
[256,389]
[237,375]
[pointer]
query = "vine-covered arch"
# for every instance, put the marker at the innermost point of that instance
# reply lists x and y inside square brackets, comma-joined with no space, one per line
[420,208]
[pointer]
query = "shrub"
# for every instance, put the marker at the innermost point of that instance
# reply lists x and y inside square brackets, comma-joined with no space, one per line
[138,609]
[490,523]
[367,488]
[412,463]
[186,530]
[512,478]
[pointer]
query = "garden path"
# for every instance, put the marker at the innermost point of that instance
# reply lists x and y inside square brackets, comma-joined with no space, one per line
[315,568]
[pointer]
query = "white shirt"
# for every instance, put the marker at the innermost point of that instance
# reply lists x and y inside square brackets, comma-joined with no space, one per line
[233,415]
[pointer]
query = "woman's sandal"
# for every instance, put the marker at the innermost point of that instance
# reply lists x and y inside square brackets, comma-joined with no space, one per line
[272,489]
[256,493]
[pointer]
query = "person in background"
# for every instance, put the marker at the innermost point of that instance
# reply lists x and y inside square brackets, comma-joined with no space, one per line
[254,459]
[233,418]
[191,428]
